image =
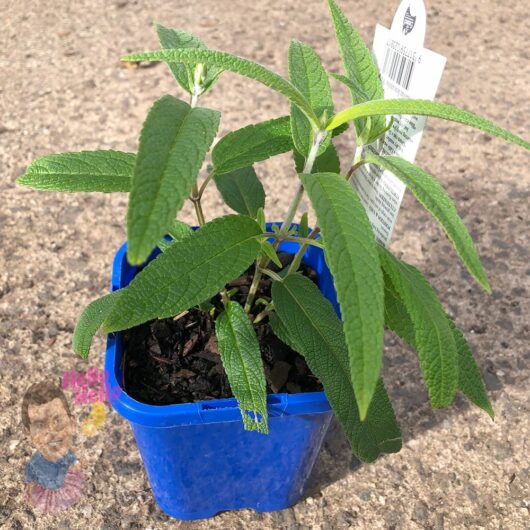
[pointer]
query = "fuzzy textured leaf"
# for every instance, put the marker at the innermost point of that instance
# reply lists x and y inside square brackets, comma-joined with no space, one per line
[242,191]
[178,231]
[189,272]
[170,38]
[351,255]
[241,357]
[360,67]
[232,63]
[434,198]
[105,171]
[306,321]
[469,378]
[470,381]
[252,143]
[433,337]
[90,321]
[308,75]
[421,107]
[174,141]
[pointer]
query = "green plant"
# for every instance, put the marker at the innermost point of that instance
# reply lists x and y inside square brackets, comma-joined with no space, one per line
[374,288]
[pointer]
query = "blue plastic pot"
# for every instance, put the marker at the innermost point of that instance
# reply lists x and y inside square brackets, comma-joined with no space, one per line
[198,458]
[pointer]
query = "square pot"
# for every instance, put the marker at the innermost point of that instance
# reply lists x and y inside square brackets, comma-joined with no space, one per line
[198,458]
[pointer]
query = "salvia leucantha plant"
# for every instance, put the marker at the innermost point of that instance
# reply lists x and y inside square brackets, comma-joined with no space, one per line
[374,288]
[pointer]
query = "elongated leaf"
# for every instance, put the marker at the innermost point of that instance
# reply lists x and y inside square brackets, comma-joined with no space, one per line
[306,321]
[420,107]
[90,321]
[270,252]
[470,381]
[189,272]
[242,191]
[359,95]
[241,357]
[434,198]
[433,338]
[174,141]
[327,162]
[397,317]
[360,67]
[308,75]
[255,143]
[235,64]
[178,231]
[351,255]
[184,73]
[174,39]
[104,171]
[252,143]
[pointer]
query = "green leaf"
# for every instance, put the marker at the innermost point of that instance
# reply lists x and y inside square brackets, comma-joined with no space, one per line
[420,107]
[351,255]
[189,272]
[327,162]
[359,95]
[241,357]
[104,171]
[174,141]
[242,191]
[178,231]
[470,382]
[361,70]
[433,337]
[269,251]
[308,75]
[184,73]
[170,38]
[397,317]
[303,229]
[260,218]
[252,143]
[90,321]
[434,198]
[469,379]
[306,321]
[235,64]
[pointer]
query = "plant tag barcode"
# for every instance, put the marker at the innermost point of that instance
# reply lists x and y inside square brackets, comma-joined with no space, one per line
[408,70]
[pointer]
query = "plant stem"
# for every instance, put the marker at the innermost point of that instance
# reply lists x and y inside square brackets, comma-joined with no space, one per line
[301,251]
[271,274]
[357,162]
[291,212]
[196,195]
[297,239]
[308,166]
[196,200]
[207,180]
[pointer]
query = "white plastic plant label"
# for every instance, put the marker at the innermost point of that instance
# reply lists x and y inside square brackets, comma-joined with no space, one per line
[408,70]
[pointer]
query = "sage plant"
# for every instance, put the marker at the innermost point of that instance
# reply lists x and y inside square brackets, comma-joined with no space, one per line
[374,288]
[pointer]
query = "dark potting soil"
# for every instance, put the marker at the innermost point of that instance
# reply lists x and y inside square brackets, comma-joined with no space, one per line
[176,360]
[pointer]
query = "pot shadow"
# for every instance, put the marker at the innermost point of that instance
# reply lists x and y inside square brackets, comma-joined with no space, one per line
[404,384]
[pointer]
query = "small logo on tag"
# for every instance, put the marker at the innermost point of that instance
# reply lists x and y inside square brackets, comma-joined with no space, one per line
[408,22]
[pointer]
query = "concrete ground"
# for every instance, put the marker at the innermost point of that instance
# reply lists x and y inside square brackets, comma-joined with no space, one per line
[63,89]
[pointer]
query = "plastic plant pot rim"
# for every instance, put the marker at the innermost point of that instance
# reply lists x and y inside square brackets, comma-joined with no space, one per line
[200,412]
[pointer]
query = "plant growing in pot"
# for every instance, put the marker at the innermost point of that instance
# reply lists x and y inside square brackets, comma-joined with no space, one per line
[237,317]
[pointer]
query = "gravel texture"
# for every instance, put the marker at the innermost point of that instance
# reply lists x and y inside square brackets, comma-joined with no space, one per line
[63,89]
